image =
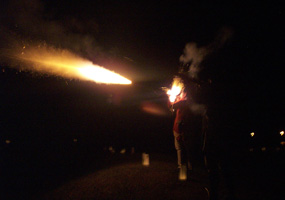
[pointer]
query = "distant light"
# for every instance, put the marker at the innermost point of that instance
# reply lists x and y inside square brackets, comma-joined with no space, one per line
[281,133]
[123,151]
[75,140]
[263,149]
[111,149]
[252,134]
[7,141]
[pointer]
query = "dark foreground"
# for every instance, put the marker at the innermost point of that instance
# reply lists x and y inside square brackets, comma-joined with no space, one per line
[89,175]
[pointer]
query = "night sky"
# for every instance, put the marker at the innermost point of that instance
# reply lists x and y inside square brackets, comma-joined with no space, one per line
[142,40]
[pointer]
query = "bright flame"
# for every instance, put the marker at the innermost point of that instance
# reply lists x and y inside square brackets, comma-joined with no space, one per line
[175,90]
[281,133]
[101,75]
[252,134]
[173,93]
[67,64]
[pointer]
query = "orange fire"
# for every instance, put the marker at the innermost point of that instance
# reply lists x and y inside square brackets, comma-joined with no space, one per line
[66,64]
[176,89]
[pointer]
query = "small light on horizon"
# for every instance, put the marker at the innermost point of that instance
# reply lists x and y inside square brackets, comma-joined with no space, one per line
[7,141]
[123,151]
[263,149]
[75,140]
[111,149]
[252,134]
[281,133]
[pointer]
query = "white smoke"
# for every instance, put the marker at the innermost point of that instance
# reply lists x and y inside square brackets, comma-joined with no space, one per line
[27,22]
[198,109]
[194,55]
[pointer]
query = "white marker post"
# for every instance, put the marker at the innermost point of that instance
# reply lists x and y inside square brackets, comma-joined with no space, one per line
[183,173]
[145,159]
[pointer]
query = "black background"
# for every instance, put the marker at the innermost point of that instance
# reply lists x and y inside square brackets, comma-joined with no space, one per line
[142,41]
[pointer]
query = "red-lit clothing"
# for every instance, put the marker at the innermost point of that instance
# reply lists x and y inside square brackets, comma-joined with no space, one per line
[181,111]
[179,134]
[181,108]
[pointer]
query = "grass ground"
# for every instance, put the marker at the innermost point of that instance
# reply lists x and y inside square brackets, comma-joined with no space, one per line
[258,176]
[131,180]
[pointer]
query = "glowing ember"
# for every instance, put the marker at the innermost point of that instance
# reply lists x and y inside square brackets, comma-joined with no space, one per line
[67,64]
[177,87]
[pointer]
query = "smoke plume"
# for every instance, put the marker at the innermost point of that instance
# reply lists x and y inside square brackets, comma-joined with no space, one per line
[193,55]
[29,22]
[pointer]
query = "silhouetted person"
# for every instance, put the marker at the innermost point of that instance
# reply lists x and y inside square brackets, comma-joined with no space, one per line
[220,131]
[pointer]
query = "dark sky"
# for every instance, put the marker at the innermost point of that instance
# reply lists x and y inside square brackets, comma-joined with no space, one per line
[152,34]
[145,39]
